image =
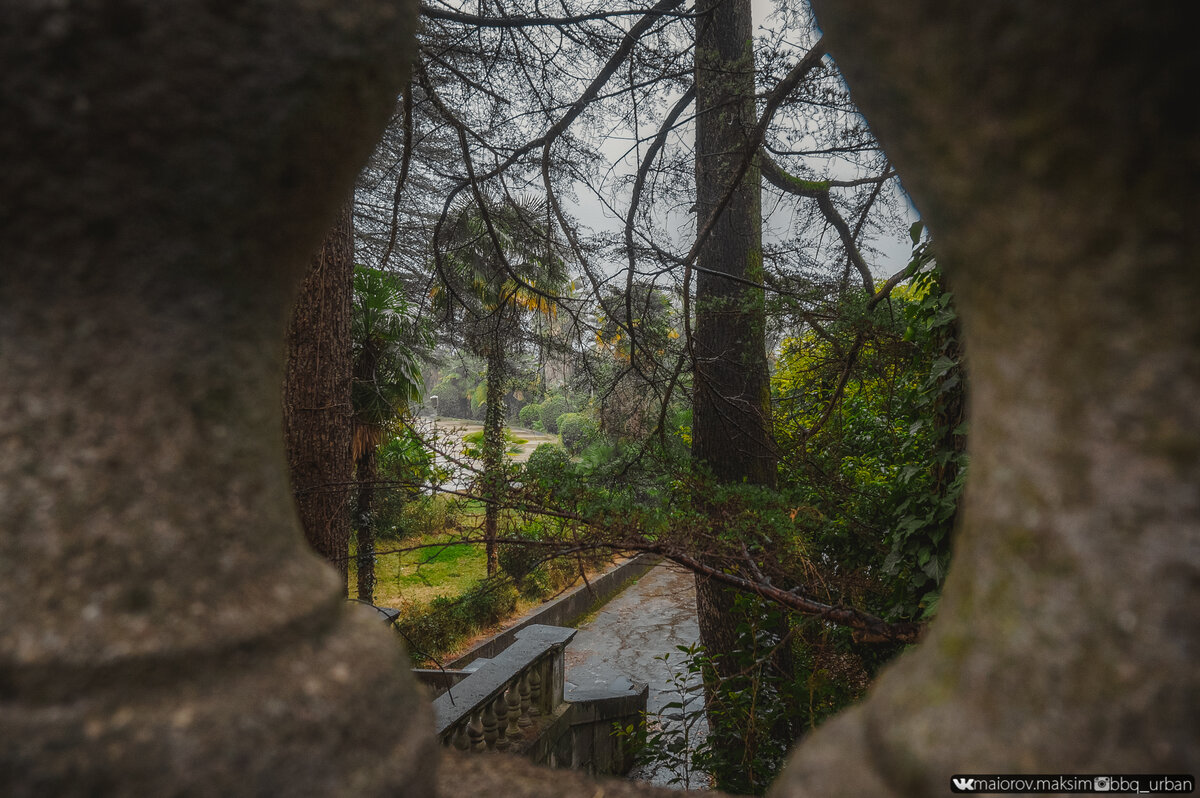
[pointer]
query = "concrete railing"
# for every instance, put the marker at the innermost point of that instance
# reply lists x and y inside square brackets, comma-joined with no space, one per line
[515,702]
[499,705]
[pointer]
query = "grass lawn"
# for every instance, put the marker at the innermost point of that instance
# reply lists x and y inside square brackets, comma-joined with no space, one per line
[445,568]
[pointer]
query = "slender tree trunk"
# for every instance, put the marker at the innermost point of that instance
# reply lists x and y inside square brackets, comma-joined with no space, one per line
[316,396]
[493,453]
[364,523]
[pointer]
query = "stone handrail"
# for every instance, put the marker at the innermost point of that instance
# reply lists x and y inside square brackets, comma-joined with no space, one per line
[493,708]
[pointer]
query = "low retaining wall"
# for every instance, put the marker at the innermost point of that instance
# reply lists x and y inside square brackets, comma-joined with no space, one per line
[584,740]
[564,610]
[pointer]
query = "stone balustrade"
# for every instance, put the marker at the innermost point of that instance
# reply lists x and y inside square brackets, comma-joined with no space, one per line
[507,701]
[515,702]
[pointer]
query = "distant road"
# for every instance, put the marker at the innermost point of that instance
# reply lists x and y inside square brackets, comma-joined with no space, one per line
[463,427]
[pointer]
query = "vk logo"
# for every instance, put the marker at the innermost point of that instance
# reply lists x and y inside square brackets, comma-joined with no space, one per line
[963,784]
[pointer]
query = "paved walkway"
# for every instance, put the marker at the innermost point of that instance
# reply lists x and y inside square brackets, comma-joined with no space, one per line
[624,640]
[533,439]
[447,429]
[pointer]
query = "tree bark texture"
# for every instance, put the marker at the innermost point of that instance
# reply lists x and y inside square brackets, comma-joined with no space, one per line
[732,421]
[731,425]
[316,396]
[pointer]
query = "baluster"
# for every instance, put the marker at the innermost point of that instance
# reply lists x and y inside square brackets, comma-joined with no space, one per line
[524,682]
[550,688]
[535,689]
[488,716]
[500,708]
[461,741]
[475,730]
[513,700]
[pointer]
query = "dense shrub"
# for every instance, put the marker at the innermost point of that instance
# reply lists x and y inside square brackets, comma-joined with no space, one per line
[548,469]
[518,560]
[577,431]
[600,457]
[537,573]
[547,458]
[551,409]
[406,469]
[426,515]
[531,416]
[446,622]
[489,602]
[548,578]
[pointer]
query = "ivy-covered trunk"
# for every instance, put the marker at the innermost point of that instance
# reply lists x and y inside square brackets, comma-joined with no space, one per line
[367,435]
[364,523]
[493,452]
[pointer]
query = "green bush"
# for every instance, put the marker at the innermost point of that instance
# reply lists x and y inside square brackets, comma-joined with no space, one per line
[446,622]
[547,467]
[531,415]
[406,467]
[518,560]
[427,515]
[548,578]
[551,409]
[600,457]
[535,576]
[487,603]
[577,431]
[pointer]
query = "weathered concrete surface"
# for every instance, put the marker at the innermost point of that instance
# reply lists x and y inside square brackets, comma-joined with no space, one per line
[619,647]
[624,638]
[588,742]
[490,680]
[1052,149]
[166,170]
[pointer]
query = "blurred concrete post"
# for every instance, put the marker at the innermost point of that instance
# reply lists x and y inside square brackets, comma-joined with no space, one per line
[167,170]
[1052,150]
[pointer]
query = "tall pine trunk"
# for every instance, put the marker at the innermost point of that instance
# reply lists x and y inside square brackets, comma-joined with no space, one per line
[731,405]
[316,396]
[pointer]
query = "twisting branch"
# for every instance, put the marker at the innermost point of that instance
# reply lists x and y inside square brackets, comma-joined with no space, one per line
[638,185]
[819,190]
[628,42]
[405,163]
[473,182]
[519,21]
[868,628]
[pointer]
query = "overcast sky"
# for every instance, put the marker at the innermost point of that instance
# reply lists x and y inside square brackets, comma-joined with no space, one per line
[894,252]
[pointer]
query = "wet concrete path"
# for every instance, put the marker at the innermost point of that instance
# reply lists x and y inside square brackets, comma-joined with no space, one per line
[624,639]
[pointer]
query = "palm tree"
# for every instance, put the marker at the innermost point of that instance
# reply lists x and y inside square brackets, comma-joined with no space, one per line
[497,268]
[387,341]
